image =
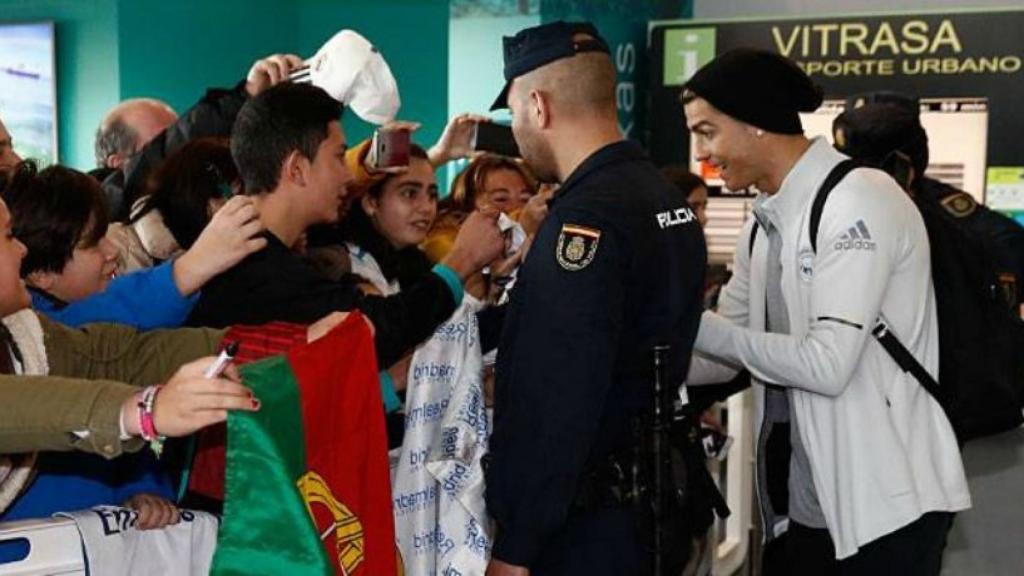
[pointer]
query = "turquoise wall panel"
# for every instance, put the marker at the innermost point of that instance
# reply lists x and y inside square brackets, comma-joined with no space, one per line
[174,51]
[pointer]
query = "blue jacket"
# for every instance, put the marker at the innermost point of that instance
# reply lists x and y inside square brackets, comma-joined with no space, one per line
[68,481]
[145,299]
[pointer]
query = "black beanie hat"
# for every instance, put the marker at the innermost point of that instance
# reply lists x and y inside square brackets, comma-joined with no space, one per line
[758,87]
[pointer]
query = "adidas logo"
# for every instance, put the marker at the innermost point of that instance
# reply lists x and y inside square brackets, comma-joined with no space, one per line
[856,238]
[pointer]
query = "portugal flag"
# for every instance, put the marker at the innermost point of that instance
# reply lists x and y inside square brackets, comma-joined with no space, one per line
[307,488]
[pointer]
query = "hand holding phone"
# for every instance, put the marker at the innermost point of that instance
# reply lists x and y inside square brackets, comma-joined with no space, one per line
[389,150]
[496,138]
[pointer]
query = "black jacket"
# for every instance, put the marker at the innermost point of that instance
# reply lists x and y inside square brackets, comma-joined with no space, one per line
[213,115]
[277,284]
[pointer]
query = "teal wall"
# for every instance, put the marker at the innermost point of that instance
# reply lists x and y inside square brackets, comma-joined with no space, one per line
[87,71]
[175,50]
[108,50]
[224,37]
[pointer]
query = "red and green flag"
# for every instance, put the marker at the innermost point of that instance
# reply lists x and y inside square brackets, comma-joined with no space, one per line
[307,487]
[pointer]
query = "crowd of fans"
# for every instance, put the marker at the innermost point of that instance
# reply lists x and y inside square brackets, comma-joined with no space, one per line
[250,208]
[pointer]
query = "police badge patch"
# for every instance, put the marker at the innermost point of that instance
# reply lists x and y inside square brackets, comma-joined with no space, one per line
[576,246]
[960,205]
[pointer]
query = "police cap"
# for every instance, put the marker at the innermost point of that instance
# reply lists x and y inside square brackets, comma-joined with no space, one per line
[541,45]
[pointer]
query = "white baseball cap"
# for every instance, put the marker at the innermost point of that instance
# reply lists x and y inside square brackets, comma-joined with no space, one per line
[354,73]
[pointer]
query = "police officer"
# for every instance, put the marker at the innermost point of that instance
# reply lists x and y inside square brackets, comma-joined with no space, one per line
[616,268]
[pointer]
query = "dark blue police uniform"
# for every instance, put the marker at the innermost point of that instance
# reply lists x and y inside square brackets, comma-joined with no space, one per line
[616,268]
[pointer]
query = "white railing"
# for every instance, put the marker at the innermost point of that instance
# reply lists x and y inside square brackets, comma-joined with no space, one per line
[55,547]
[732,550]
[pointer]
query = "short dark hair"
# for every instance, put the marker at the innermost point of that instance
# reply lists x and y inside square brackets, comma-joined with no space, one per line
[682,178]
[181,189]
[54,211]
[273,124]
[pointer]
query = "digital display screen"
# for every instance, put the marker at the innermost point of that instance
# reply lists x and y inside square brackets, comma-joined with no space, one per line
[28,89]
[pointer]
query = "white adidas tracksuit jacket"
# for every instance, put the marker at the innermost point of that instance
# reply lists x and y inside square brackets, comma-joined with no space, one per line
[881,450]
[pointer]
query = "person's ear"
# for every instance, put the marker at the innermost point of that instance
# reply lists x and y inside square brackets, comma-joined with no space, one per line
[295,169]
[43,280]
[370,205]
[115,160]
[540,108]
[911,178]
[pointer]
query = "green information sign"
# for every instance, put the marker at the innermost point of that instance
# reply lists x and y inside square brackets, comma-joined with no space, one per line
[686,50]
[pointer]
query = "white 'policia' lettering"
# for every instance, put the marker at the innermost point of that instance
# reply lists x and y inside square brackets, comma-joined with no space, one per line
[675,217]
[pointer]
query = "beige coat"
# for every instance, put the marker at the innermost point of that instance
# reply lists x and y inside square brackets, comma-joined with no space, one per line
[143,243]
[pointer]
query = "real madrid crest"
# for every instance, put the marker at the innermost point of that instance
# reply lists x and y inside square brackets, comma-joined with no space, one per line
[576,246]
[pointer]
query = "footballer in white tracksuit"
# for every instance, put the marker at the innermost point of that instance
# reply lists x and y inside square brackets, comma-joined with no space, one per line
[880,448]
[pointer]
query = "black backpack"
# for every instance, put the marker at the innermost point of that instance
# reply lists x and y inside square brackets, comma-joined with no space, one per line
[981,338]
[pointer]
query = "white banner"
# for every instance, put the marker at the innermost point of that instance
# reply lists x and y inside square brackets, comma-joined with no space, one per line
[441,519]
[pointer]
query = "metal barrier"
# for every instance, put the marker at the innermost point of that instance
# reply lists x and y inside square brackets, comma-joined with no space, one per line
[54,547]
[737,470]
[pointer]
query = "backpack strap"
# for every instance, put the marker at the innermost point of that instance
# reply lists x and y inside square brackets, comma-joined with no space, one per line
[906,360]
[839,171]
[892,345]
[753,237]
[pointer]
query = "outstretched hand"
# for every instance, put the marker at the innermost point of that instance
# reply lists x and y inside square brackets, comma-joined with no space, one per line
[189,401]
[478,243]
[230,236]
[457,139]
[271,71]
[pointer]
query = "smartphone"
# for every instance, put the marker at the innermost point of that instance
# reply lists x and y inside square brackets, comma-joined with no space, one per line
[390,149]
[497,138]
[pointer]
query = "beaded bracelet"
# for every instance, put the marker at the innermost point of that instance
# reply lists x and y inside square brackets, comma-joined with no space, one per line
[147,424]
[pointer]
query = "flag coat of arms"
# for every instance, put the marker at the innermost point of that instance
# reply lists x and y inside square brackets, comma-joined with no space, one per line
[306,487]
